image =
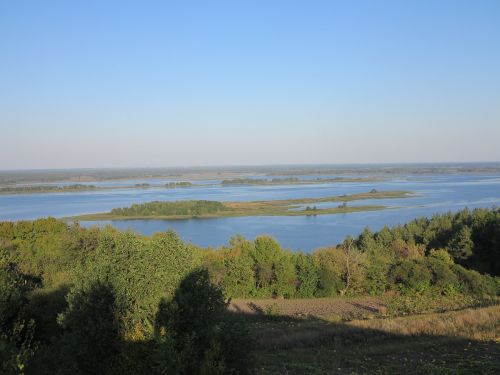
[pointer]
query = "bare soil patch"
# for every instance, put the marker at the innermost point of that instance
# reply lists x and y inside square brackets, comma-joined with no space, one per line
[342,307]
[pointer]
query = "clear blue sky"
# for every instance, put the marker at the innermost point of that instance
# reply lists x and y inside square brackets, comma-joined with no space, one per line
[174,83]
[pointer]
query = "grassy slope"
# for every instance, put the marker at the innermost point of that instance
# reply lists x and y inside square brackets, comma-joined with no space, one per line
[459,342]
[270,208]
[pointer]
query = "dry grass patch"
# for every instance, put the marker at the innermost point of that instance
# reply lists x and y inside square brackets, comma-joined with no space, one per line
[477,324]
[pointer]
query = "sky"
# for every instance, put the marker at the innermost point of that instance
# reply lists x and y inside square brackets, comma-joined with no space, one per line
[185,83]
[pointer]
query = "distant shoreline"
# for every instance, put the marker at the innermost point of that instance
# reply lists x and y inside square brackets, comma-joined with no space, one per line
[12,178]
[75,188]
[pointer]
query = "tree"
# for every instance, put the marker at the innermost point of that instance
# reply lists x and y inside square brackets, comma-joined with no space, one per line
[17,345]
[286,277]
[352,267]
[266,254]
[238,279]
[307,274]
[141,271]
[92,331]
[404,250]
[193,337]
[329,277]
[461,246]
[410,275]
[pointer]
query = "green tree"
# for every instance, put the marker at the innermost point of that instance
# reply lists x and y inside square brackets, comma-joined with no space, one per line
[307,274]
[266,254]
[193,336]
[92,331]
[461,245]
[17,345]
[286,277]
[239,279]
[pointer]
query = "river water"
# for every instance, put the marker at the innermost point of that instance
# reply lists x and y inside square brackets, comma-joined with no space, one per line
[433,194]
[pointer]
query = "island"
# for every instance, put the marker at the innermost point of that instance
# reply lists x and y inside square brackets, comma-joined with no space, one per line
[188,209]
[46,189]
[294,181]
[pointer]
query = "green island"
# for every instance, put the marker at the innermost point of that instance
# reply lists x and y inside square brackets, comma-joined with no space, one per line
[210,209]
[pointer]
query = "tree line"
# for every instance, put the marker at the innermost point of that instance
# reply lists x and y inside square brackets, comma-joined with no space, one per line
[162,208]
[45,188]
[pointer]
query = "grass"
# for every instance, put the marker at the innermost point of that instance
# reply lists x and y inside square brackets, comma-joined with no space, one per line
[269,208]
[457,342]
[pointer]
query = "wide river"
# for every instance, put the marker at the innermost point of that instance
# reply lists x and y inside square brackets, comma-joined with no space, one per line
[434,194]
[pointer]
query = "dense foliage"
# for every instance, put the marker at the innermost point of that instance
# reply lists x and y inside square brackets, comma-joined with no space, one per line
[191,208]
[87,301]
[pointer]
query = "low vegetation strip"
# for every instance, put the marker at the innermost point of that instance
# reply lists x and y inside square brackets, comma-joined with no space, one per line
[206,209]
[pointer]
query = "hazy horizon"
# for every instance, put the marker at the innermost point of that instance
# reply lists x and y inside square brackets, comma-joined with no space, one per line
[271,166]
[186,84]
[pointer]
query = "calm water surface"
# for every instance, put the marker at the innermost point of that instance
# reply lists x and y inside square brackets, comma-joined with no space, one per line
[434,194]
